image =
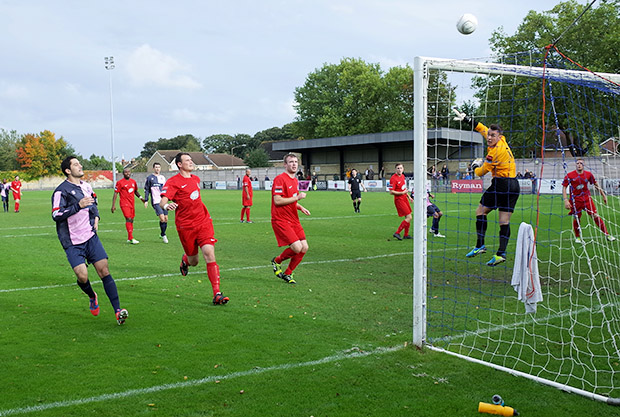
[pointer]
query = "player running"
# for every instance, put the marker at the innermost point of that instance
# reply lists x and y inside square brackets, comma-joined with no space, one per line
[581,199]
[193,221]
[398,188]
[285,198]
[246,196]
[354,189]
[74,209]
[503,192]
[127,187]
[152,187]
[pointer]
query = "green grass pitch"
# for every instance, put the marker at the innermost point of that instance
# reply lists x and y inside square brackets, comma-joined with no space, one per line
[335,344]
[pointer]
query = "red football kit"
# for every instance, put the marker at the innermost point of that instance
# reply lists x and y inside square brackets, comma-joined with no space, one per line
[192,219]
[580,192]
[399,183]
[126,189]
[285,219]
[247,192]
[16,187]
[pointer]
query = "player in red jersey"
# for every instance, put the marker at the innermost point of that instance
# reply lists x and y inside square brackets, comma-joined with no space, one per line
[193,221]
[581,199]
[127,187]
[285,198]
[16,187]
[398,188]
[246,196]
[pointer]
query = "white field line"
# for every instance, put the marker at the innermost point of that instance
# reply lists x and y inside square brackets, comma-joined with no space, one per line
[349,354]
[52,228]
[95,282]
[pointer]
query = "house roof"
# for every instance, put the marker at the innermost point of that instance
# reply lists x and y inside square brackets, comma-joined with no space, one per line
[223,160]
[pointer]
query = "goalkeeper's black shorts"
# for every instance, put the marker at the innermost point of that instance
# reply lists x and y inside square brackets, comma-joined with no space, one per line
[502,194]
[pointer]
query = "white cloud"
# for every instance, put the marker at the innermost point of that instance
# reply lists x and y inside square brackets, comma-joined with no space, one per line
[149,66]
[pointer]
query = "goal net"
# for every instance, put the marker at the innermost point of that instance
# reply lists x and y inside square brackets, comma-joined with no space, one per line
[550,312]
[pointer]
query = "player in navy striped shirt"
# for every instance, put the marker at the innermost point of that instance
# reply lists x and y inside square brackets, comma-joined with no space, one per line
[74,209]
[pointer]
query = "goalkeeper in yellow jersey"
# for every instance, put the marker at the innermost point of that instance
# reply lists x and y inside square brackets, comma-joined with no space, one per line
[503,192]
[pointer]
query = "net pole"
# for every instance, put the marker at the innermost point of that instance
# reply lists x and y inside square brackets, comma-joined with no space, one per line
[419,212]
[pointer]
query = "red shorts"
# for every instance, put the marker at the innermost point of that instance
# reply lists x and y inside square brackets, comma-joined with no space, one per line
[287,232]
[17,196]
[402,207]
[581,205]
[129,211]
[247,202]
[200,235]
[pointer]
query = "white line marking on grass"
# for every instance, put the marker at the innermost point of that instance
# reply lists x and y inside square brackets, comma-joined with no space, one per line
[349,354]
[217,223]
[45,287]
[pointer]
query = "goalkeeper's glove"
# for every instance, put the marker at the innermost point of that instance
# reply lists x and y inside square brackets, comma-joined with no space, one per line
[462,117]
[477,163]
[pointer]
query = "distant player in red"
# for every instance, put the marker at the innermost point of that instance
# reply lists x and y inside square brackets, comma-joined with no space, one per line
[285,220]
[398,188]
[193,221]
[16,187]
[246,196]
[581,199]
[127,188]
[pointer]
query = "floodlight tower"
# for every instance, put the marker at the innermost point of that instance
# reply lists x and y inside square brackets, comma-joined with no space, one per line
[109,65]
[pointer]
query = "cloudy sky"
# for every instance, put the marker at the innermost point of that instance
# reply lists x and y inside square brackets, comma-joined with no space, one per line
[207,67]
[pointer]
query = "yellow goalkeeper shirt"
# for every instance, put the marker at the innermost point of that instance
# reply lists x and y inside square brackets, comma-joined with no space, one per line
[499,160]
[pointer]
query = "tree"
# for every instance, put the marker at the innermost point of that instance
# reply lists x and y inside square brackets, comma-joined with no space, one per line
[8,150]
[185,143]
[274,134]
[257,158]
[594,42]
[222,143]
[355,97]
[40,155]
[95,163]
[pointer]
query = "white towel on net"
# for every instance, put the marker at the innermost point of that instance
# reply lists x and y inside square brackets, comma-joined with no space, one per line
[525,277]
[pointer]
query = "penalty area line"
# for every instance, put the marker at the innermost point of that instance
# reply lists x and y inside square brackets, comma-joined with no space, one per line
[348,354]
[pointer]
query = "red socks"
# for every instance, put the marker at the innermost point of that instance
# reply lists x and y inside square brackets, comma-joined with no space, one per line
[129,227]
[288,253]
[404,225]
[213,271]
[295,260]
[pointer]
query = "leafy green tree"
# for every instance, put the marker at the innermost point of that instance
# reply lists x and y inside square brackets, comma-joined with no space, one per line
[8,150]
[222,143]
[593,42]
[354,97]
[257,158]
[186,143]
[96,163]
[218,143]
[274,134]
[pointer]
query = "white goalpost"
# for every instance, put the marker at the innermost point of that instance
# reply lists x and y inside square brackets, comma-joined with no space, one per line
[552,113]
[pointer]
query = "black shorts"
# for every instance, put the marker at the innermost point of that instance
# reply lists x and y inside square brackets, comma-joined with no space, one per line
[431,209]
[356,194]
[502,194]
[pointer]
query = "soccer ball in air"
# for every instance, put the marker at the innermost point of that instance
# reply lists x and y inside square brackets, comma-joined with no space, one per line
[467,24]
